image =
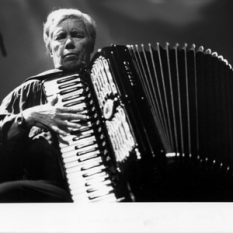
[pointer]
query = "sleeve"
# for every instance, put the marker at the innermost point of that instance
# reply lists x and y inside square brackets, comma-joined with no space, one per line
[27,95]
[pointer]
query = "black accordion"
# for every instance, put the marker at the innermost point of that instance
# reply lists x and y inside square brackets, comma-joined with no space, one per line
[147,107]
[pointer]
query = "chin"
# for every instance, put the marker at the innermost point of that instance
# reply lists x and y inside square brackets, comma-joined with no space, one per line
[71,66]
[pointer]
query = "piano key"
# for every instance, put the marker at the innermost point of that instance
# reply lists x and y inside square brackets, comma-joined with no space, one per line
[95,180]
[82,136]
[82,199]
[71,164]
[51,90]
[60,84]
[105,190]
[91,164]
[88,171]
[71,139]
[109,198]
[90,189]
[73,95]
[69,154]
[77,177]
[70,159]
[88,140]
[75,182]
[78,102]
[69,84]
[89,155]
[81,142]
[93,171]
[81,149]
[57,81]
[80,181]
[97,186]
[81,157]
[83,194]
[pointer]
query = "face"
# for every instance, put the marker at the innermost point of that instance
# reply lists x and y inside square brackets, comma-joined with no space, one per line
[70,46]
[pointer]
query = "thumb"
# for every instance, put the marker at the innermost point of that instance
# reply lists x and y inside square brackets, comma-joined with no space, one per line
[53,100]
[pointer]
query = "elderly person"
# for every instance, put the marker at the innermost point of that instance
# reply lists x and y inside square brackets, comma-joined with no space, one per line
[29,161]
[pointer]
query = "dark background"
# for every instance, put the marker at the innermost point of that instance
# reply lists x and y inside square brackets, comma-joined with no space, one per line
[202,22]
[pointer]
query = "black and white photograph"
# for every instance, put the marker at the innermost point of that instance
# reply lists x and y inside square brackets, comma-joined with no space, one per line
[116,113]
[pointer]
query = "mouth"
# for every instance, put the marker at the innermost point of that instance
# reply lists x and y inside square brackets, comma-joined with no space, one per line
[71,55]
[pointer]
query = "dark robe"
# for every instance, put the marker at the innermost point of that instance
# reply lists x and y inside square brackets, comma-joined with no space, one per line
[30,165]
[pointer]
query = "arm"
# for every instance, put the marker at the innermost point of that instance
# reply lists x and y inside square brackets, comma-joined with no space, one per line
[29,100]
[58,119]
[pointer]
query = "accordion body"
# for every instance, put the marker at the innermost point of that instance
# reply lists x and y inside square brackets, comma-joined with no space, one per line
[145,105]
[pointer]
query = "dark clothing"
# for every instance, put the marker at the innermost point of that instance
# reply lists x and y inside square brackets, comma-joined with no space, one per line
[30,166]
[31,191]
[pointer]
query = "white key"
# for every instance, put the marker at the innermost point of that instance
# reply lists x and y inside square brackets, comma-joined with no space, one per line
[99,193]
[73,148]
[70,139]
[82,187]
[109,198]
[74,155]
[83,182]
[77,176]
[78,168]
[81,199]
[70,159]
[50,90]
[72,164]
[106,190]
[94,170]
[80,143]
[89,155]
[86,163]
[57,81]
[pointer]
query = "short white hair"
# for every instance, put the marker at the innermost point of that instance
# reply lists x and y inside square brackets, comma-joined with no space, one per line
[58,16]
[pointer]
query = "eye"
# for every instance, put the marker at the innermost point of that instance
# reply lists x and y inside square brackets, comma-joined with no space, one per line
[77,34]
[60,36]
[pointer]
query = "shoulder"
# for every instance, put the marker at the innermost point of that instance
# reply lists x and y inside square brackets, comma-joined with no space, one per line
[33,82]
[42,76]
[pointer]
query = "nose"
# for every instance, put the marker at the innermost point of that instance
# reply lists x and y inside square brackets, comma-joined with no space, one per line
[69,44]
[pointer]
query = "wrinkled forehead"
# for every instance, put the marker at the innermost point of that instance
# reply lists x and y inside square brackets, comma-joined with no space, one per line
[73,22]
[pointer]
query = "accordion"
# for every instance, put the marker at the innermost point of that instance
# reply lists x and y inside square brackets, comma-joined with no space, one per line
[144,105]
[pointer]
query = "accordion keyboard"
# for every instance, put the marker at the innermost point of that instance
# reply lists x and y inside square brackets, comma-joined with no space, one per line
[82,152]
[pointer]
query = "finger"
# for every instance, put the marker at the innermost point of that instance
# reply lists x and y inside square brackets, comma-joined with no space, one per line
[72,126]
[73,109]
[63,140]
[59,131]
[73,117]
[53,100]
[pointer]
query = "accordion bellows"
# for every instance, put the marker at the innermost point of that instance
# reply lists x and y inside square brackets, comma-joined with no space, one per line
[190,95]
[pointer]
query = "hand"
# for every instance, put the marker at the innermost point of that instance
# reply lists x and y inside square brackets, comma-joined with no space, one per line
[61,120]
